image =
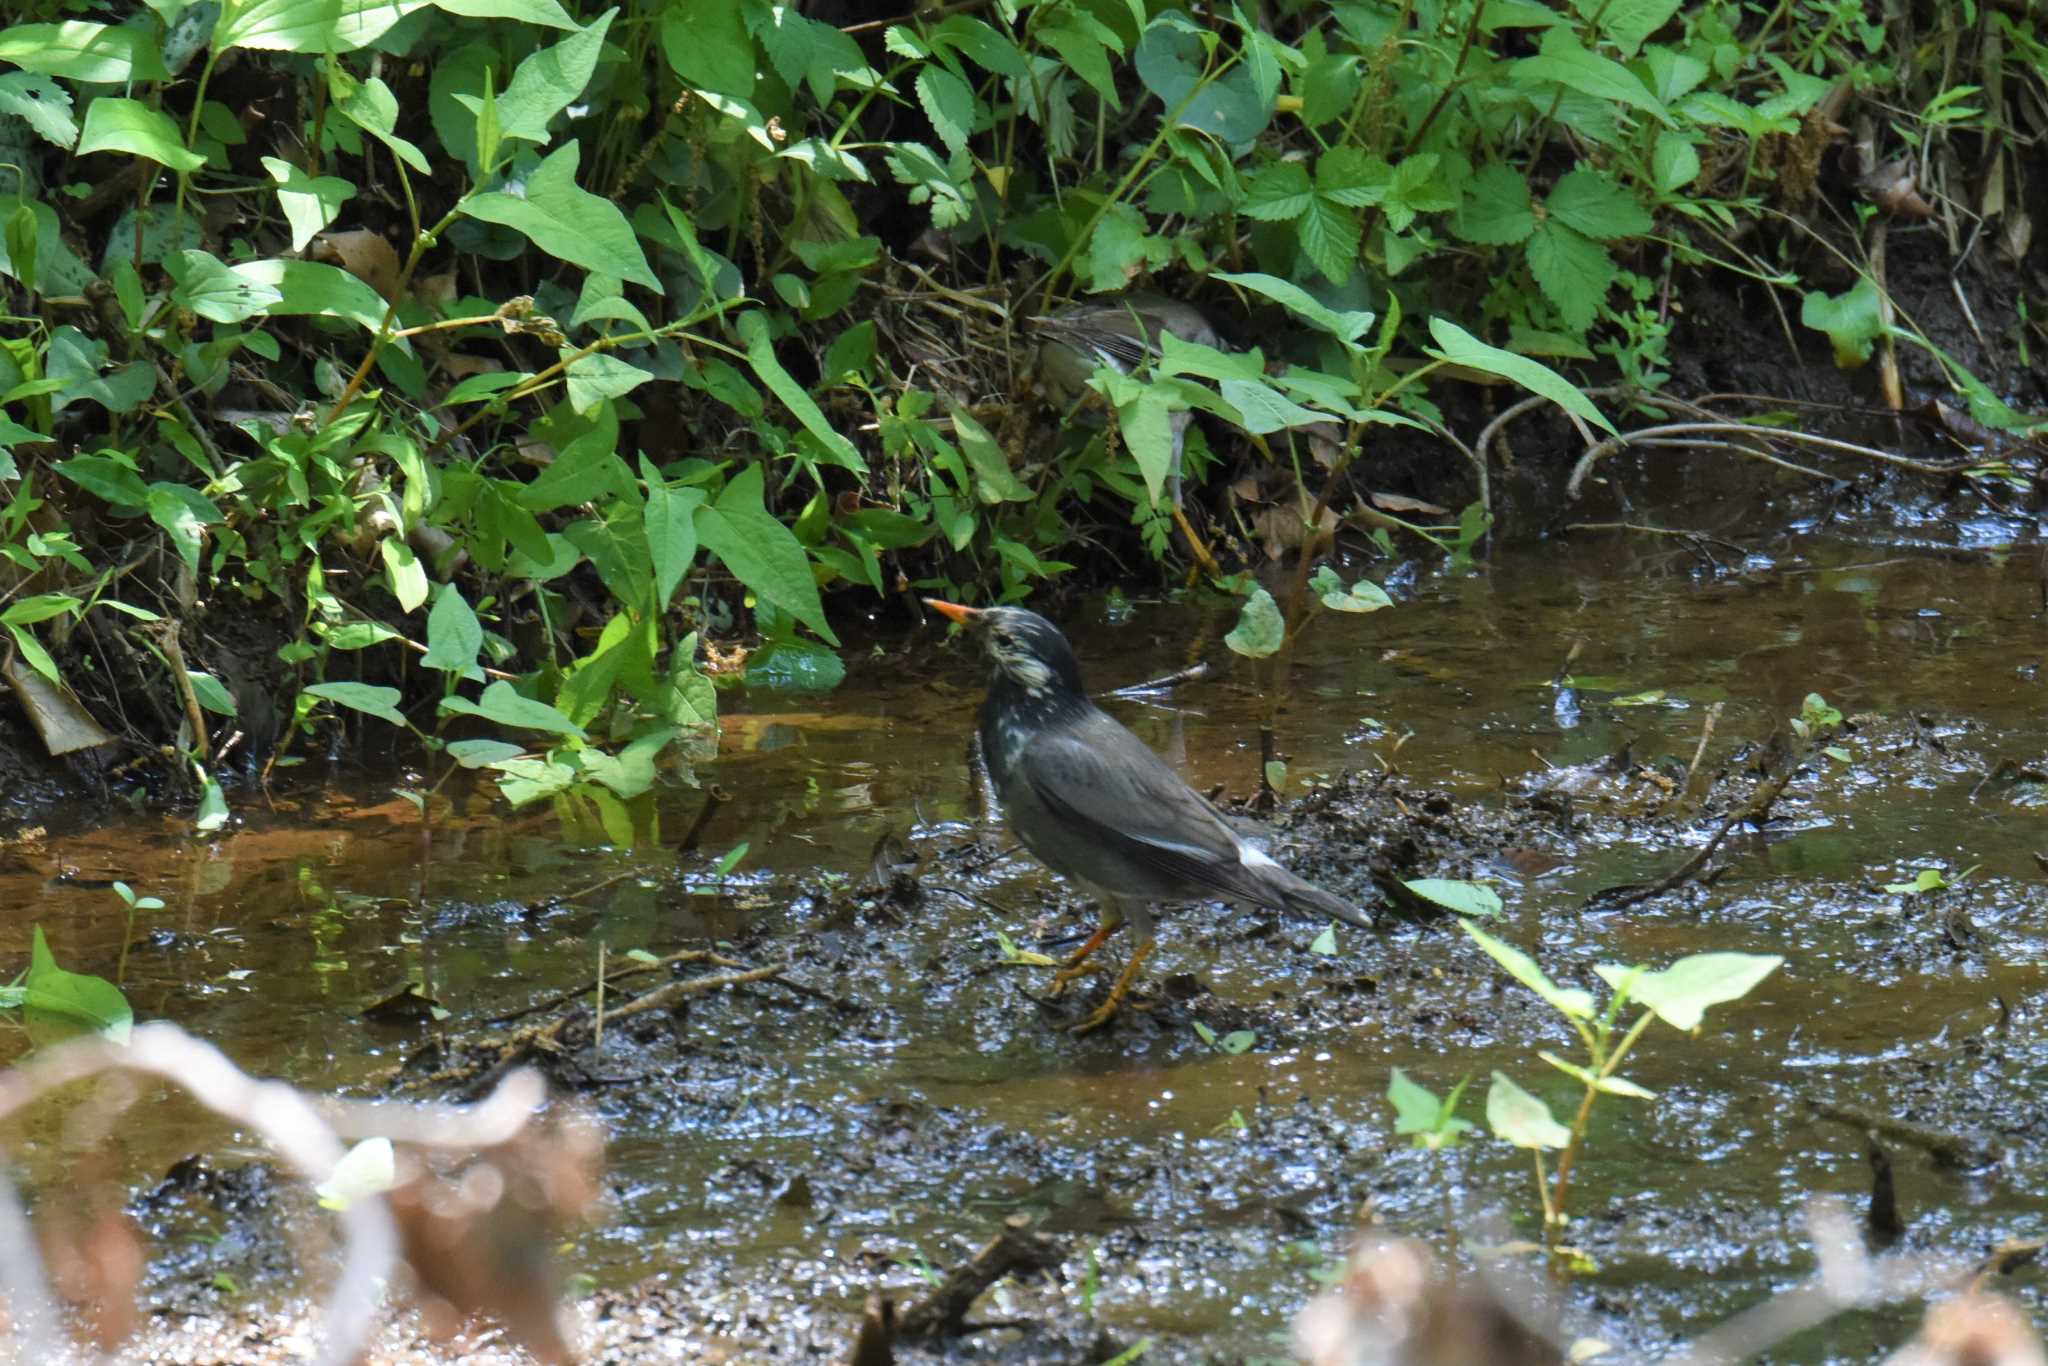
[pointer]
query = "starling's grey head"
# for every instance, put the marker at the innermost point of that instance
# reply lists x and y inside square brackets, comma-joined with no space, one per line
[1027,650]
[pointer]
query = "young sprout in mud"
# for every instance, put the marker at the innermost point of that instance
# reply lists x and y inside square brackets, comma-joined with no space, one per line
[1678,995]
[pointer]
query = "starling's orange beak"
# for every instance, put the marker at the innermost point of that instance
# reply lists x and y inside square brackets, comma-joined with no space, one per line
[964,615]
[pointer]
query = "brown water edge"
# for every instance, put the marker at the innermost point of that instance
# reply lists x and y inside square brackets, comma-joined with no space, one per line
[947,1101]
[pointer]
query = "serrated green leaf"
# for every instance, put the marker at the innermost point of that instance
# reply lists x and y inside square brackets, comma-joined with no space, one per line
[949,104]
[1591,202]
[41,103]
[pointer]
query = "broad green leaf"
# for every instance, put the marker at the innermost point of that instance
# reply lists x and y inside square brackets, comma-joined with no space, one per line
[212,812]
[75,997]
[502,703]
[568,222]
[1330,235]
[1853,320]
[1675,163]
[1363,596]
[1466,898]
[371,106]
[39,607]
[1520,1118]
[208,287]
[1417,1109]
[308,288]
[798,665]
[1260,629]
[550,81]
[546,13]
[1613,1086]
[1573,271]
[671,535]
[211,692]
[1564,60]
[1280,192]
[406,575]
[309,202]
[73,363]
[368,698]
[600,376]
[95,54]
[1574,1003]
[1681,993]
[482,753]
[753,330]
[1626,23]
[1462,348]
[114,124]
[707,46]
[760,551]
[1344,325]
[307,25]
[454,635]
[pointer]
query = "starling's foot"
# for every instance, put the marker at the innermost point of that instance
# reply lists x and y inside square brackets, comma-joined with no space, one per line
[1106,1012]
[1077,964]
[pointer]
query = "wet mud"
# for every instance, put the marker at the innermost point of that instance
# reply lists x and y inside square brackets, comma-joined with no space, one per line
[897,1091]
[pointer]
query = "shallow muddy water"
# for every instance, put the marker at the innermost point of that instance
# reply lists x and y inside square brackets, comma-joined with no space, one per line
[777,1157]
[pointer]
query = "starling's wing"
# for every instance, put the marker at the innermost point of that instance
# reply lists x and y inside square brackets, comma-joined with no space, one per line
[1128,813]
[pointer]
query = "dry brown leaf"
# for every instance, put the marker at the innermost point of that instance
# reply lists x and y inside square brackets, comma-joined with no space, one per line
[1401,502]
[363,254]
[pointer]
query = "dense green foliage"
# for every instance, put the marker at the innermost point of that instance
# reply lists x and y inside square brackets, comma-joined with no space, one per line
[533,343]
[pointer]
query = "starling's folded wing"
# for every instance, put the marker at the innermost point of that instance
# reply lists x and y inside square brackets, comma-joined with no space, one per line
[1116,796]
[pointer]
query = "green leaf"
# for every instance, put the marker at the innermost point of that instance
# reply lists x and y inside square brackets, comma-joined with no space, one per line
[370,105]
[1853,320]
[1345,325]
[407,576]
[482,753]
[1466,898]
[671,521]
[707,46]
[1565,61]
[73,363]
[753,330]
[502,703]
[1496,210]
[211,692]
[1462,348]
[308,288]
[309,202]
[41,103]
[1675,163]
[760,551]
[1573,1003]
[1329,235]
[454,635]
[1520,1118]
[1363,596]
[1592,203]
[95,54]
[598,377]
[1278,193]
[1681,993]
[1418,1110]
[1260,629]
[368,698]
[949,104]
[307,25]
[1627,23]
[114,124]
[1325,944]
[568,222]
[208,287]
[1573,271]
[550,81]
[796,665]
[74,997]
[1613,1086]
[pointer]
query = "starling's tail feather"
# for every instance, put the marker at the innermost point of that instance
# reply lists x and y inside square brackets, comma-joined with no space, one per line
[1303,896]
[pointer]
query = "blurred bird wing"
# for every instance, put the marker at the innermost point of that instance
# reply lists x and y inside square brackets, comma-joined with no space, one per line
[1105,782]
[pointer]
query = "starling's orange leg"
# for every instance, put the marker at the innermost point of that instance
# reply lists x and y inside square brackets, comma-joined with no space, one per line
[1077,964]
[1105,1012]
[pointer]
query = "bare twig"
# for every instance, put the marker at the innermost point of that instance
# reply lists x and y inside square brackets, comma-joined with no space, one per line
[1193,672]
[1595,454]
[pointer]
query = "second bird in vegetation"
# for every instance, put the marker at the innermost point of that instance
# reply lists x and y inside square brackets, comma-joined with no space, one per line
[1093,803]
